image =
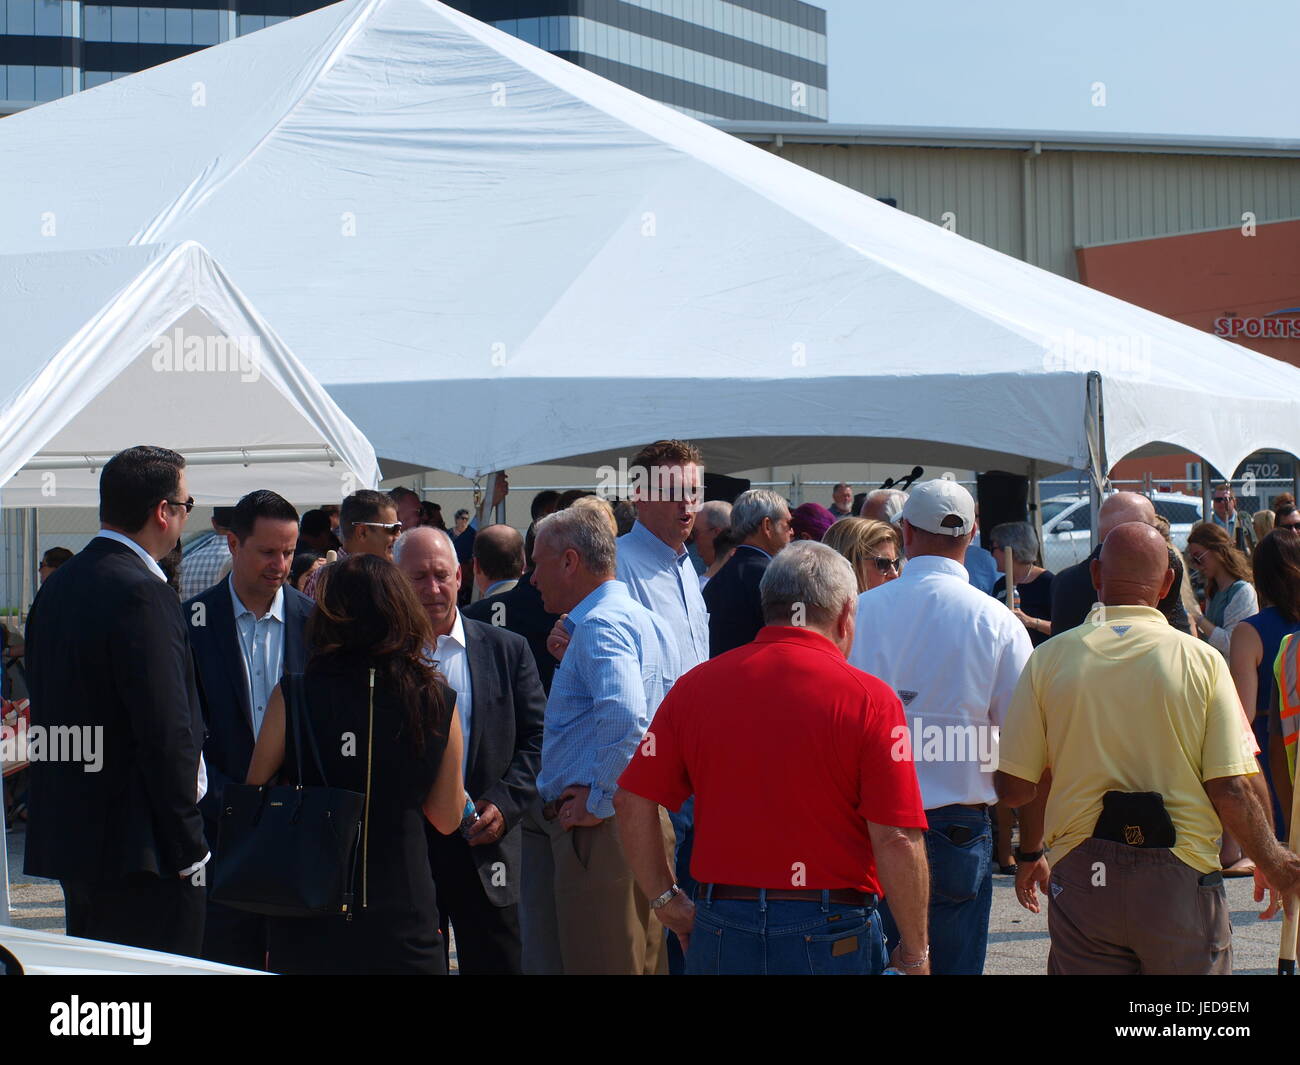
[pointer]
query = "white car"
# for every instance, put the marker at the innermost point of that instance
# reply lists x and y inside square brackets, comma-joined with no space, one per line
[24,951]
[1067,525]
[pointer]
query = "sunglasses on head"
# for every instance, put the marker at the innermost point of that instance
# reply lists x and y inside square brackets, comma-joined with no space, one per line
[886,565]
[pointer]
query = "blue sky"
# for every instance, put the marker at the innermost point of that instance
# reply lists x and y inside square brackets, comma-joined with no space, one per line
[1187,67]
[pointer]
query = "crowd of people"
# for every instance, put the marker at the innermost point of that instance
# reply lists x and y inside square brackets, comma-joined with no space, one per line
[669,735]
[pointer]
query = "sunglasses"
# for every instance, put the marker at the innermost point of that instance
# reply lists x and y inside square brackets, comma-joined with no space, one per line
[188,504]
[393,528]
[1197,559]
[887,565]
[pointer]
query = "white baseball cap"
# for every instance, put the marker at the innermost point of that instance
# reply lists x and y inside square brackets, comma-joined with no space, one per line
[940,506]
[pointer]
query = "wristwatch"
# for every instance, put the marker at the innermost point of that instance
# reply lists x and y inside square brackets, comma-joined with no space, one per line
[664,899]
[1029,856]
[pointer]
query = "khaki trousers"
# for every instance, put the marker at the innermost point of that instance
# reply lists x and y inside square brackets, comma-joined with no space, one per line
[581,900]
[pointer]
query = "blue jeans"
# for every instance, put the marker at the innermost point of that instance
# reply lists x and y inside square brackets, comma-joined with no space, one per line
[740,937]
[961,891]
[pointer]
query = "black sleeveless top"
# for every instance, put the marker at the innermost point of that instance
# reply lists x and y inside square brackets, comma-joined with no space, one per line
[403,771]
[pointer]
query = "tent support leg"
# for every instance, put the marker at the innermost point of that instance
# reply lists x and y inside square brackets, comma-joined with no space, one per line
[1095,434]
[4,861]
[1035,508]
[1207,494]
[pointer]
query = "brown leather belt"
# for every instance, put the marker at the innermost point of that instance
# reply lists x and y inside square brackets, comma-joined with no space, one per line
[839,896]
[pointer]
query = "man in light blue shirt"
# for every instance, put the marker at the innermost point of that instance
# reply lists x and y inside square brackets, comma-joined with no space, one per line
[655,566]
[581,909]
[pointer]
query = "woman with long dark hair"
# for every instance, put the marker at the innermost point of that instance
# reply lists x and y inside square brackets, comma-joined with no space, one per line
[367,617]
[1228,590]
[1255,644]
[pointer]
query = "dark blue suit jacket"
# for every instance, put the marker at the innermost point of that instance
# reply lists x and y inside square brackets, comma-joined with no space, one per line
[223,684]
[735,605]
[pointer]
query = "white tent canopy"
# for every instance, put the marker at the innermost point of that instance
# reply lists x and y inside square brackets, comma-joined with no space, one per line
[491,257]
[154,345]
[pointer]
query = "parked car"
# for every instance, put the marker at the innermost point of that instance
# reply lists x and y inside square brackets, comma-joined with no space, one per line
[1067,525]
[25,951]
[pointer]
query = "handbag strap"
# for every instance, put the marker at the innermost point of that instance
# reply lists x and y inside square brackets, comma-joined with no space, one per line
[295,687]
[370,750]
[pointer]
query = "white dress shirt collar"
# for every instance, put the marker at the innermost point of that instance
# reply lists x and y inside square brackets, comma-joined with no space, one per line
[145,557]
[277,604]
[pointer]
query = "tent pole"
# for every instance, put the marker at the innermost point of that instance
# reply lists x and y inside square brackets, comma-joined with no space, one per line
[1207,506]
[4,826]
[1095,434]
[1035,510]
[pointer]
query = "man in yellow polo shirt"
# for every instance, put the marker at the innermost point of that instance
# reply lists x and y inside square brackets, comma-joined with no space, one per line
[1141,729]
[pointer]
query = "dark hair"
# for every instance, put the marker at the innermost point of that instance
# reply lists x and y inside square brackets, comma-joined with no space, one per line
[302,562]
[431,514]
[543,503]
[724,542]
[368,611]
[262,503]
[566,498]
[1276,563]
[401,492]
[55,557]
[315,523]
[1213,538]
[462,513]
[499,556]
[362,506]
[135,481]
[223,516]
[1281,499]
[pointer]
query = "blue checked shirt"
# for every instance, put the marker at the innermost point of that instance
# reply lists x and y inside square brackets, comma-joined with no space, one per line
[620,662]
[202,565]
[666,584]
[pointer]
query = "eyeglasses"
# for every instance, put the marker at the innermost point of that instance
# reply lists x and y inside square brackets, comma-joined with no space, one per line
[188,504]
[887,565]
[393,528]
[1197,559]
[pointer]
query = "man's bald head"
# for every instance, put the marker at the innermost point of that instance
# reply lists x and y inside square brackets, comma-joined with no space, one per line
[498,555]
[1133,569]
[1124,507]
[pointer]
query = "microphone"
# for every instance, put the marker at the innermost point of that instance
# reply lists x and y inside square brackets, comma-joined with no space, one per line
[906,482]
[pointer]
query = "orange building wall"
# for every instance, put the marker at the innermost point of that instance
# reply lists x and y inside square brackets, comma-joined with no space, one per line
[1195,278]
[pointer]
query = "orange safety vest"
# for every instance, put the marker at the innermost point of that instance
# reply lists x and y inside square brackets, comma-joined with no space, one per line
[1286,675]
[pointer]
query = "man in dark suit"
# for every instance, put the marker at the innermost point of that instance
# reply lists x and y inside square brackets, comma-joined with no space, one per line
[520,611]
[108,660]
[760,522]
[245,631]
[501,705]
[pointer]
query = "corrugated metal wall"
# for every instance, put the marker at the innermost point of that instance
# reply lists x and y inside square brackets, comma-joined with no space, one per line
[1076,198]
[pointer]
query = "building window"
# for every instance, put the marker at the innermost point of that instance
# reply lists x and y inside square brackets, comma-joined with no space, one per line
[153,25]
[178,26]
[49,83]
[99,23]
[22,23]
[251,23]
[207,27]
[126,24]
[22,83]
[97,77]
[49,18]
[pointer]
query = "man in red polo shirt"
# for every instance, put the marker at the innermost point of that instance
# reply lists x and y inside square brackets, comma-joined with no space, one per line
[807,808]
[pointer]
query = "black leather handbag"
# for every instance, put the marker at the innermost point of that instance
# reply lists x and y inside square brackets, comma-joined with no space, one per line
[290,850]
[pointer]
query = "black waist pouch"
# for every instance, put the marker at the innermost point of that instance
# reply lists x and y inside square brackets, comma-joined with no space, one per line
[1135,818]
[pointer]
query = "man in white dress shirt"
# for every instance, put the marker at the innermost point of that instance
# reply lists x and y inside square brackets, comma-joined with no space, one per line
[501,705]
[954,655]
